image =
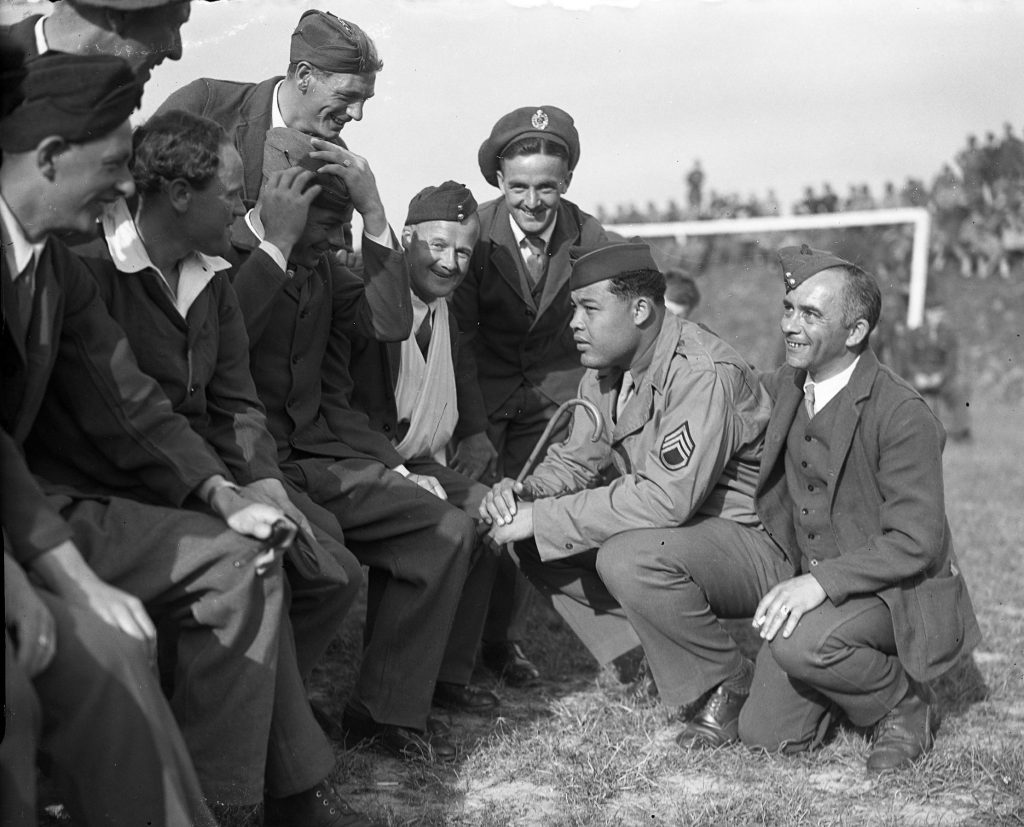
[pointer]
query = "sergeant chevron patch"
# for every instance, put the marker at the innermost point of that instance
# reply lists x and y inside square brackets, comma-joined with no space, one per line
[677,448]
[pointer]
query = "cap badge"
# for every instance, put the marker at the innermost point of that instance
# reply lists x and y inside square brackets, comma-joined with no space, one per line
[539,119]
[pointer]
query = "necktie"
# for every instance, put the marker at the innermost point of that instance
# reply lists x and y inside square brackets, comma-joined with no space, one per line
[625,394]
[536,260]
[423,334]
[809,399]
[24,289]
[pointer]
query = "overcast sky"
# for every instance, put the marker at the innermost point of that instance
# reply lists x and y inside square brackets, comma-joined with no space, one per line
[767,93]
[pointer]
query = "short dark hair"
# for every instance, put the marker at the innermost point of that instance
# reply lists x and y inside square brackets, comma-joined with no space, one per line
[534,145]
[176,144]
[861,299]
[635,284]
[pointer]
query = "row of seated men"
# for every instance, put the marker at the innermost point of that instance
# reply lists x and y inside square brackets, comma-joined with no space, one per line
[203,371]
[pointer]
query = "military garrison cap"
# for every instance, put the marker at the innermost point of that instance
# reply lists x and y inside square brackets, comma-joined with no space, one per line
[800,263]
[286,148]
[81,98]
[608,260]
[451,201]
[548,122]
[333,45]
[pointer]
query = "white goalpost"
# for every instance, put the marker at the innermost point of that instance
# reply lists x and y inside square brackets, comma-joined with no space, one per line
[917,217]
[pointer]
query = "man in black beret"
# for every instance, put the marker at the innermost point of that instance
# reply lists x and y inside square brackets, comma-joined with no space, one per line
[142,32]
[513,310]
[65,154]
[683,423]
[395,520]
[851,490]
[332,73]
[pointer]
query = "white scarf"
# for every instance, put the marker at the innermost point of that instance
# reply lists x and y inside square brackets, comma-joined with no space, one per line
[425,395]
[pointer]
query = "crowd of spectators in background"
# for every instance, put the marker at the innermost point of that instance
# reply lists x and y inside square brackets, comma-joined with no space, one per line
[976,203]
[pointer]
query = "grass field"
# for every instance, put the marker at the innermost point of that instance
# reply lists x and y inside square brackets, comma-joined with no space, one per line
[569,753]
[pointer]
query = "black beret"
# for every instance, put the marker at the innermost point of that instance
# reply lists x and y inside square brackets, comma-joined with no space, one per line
[286,148]
[800,263]
[451,201]
[333,45]
[608,260]
[548,122]
[81,98]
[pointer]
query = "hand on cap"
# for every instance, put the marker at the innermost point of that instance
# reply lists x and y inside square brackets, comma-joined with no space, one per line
[358,177]
[284,206]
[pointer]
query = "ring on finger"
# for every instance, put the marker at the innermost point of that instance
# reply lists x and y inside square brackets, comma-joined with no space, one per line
[784,608]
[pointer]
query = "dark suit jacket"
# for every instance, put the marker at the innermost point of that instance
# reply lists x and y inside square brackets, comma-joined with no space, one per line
[886,509]
[23,33]
[511,338]
[374,368]
[73,391]
[298,350]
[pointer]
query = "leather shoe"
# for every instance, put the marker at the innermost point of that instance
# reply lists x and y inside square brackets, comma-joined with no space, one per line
[399,741]
[464,698]
[906,732]
[506,660]
[320,806]
[718,722]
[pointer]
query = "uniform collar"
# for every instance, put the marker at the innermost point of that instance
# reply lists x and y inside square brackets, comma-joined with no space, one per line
[519,235]
[276,118]
[129,254]
[42,47]
[23,252]
[827,389]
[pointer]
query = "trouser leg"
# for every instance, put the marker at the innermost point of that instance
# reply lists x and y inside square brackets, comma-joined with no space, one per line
[674,584]
[118,757]
[418,548]
[573,587]
[299,755]
[191,570]
[22,726]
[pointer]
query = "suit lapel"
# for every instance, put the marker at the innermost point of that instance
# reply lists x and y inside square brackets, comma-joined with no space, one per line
[784,410]
[566,234]
[251,135]
[503,247]
[848,416]
[12,318]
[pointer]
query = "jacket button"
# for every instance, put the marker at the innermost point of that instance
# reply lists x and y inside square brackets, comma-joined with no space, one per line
[387,428]
[804,511]
[814,562]
[803,464]
[303,314]
[296,360]
[810,487]
[807,439]
[568,546]
[193,389]
[810,536]
[530,313]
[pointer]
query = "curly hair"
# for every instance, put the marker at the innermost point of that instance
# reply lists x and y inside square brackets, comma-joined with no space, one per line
[176,145]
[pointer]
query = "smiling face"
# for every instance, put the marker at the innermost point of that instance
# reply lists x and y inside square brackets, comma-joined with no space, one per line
[604,326]
[147,37]
[817,340]
[533,186]
[86,177]
[438,253]
[327,101]
[213,209]
[324,232]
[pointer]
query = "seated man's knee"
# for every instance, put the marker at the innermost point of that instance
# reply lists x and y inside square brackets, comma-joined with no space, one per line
[621,560]
[796,656]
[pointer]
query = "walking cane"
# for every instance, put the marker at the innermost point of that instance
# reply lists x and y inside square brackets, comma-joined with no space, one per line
[591,409]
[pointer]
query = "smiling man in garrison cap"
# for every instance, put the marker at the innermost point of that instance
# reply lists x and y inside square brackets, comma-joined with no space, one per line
[851,490]
[332,72]
[513,310]
[167,544]
[684,421]
[142,32]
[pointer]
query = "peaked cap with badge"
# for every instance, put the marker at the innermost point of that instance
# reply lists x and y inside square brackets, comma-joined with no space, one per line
[451,201]
[547,122]
[333,45]
[800,263]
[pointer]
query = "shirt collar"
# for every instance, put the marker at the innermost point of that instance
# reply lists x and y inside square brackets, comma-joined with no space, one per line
[276,118]
[23,251]
[255,224]
[42,47]
[519,235]
[129,254]
[827,389]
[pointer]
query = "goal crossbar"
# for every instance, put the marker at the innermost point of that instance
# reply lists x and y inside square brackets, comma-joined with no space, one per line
[918,217]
